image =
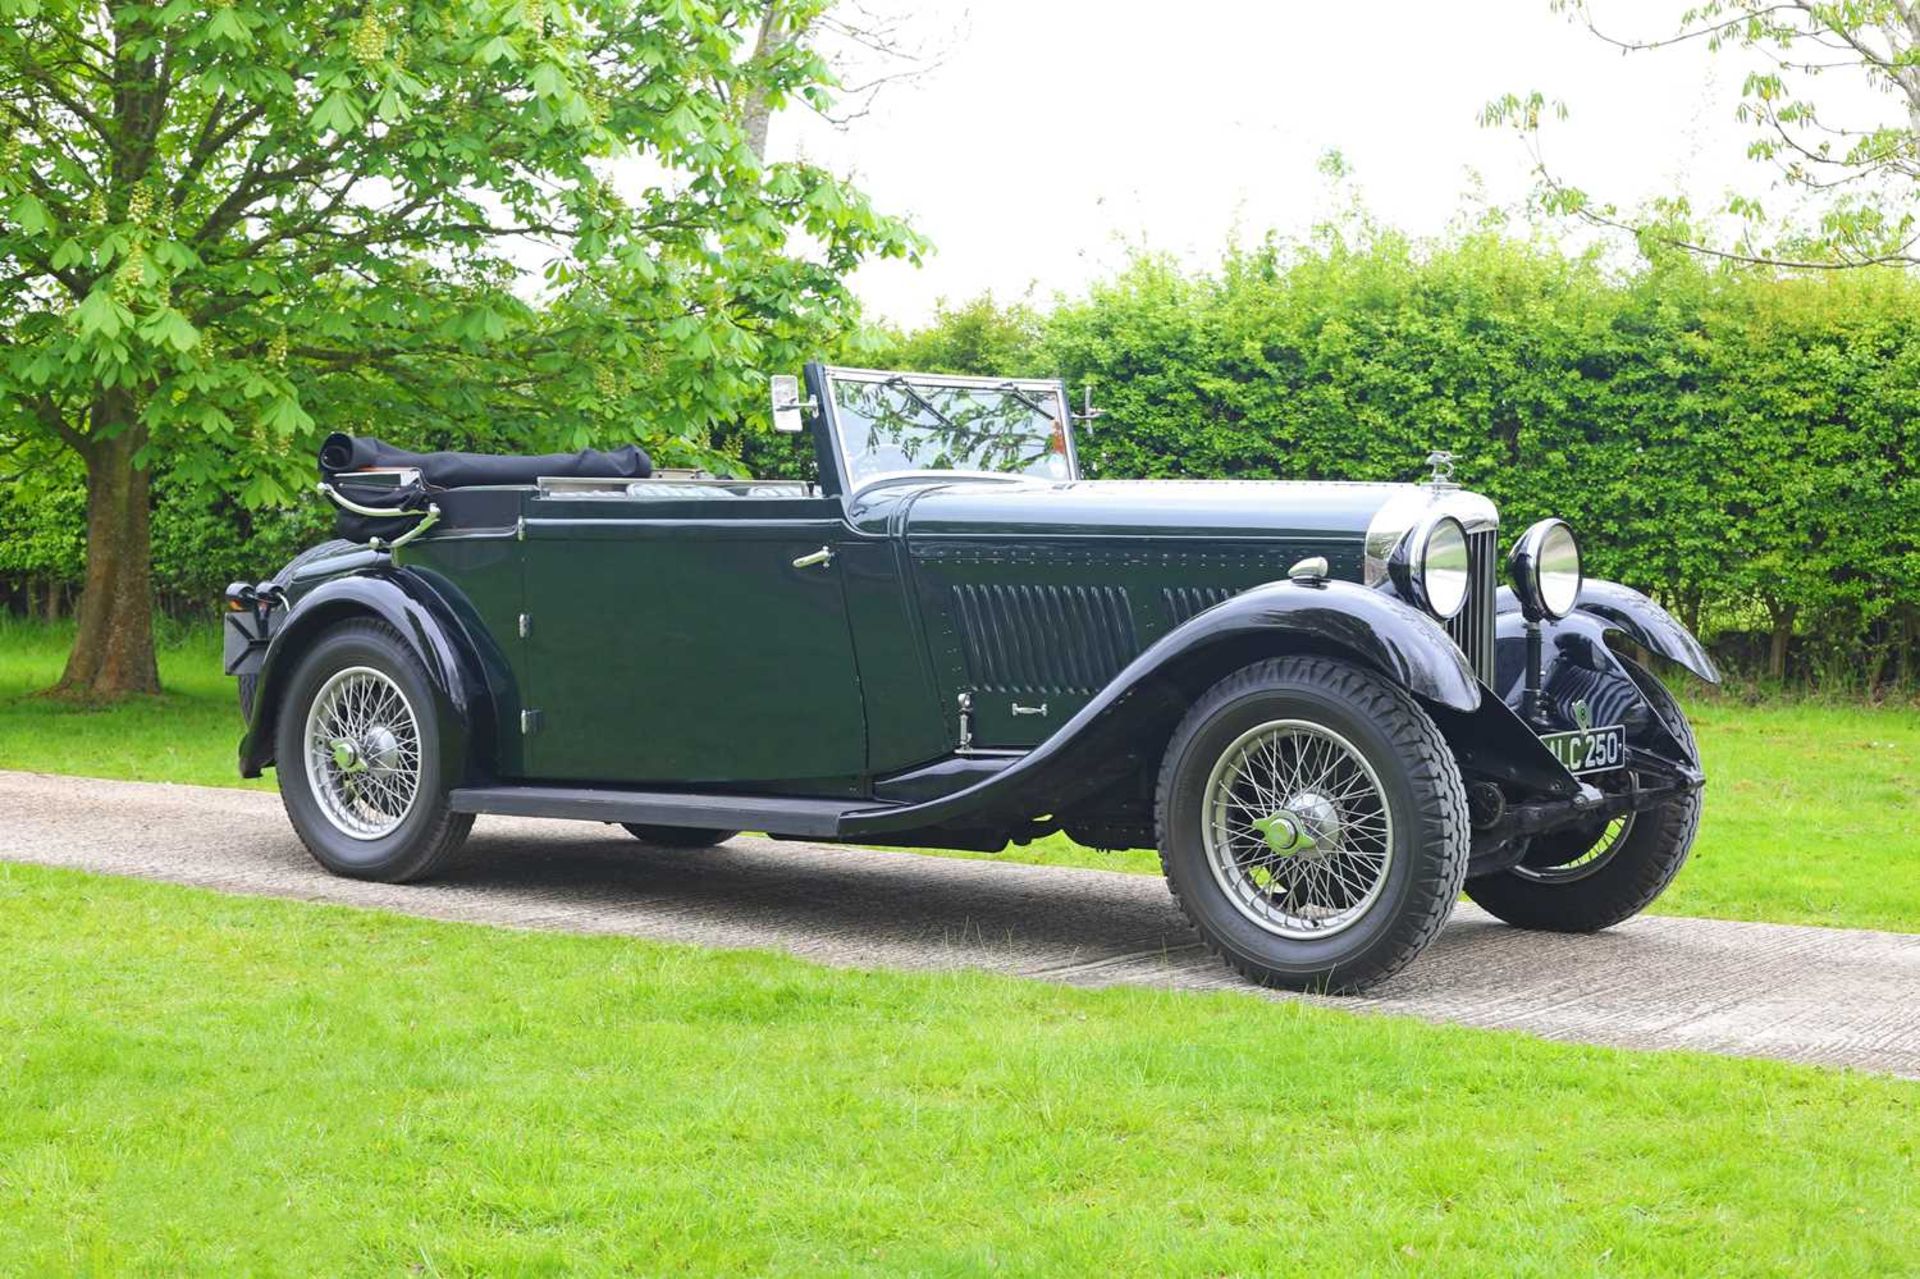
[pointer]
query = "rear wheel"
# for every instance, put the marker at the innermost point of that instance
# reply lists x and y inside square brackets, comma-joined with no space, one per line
[1312,824]
[1592,876]
[363,768]
[678,836]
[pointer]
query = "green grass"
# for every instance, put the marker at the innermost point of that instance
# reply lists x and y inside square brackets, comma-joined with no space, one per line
[1812,817]
[190,733]
[1813,812]
[194,1083]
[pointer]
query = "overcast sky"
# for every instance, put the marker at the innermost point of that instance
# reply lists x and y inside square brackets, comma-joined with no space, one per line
[1057,134]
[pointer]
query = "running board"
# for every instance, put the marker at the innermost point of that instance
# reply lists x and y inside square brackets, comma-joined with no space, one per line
[774,814]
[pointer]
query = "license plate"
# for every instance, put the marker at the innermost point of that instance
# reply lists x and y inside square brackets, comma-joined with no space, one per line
[244,640]
[1589,750]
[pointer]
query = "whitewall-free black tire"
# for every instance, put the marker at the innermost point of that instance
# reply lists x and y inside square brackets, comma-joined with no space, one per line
[1312,824]
[362,758]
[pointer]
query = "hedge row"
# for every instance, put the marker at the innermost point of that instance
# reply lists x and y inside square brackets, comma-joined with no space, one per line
[1744,448]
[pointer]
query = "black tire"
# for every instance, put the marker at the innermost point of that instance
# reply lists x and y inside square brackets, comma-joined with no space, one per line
[429,833]
[250,684]
[1618,882]
[678,836]
[1419,789]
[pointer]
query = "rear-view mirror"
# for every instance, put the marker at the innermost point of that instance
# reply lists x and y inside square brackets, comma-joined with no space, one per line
[786,403]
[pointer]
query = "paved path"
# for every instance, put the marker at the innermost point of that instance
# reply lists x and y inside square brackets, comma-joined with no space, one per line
[1830,996]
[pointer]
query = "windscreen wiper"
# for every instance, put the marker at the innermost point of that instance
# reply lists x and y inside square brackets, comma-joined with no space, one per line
[1020,395]
[902,384]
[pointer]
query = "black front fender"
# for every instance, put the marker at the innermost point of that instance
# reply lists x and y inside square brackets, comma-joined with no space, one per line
[1627,611]
[1336,619]
[401,600]
[1123,728]
[1583,681]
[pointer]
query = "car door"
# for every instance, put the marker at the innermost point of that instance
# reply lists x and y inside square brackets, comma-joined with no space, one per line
[698,638]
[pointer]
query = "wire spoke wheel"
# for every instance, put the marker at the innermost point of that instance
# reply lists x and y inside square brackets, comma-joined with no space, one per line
[1297,829]
[363,752]
[1612,836]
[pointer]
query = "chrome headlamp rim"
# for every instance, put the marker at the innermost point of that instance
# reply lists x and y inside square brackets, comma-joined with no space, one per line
[1412,559]
[1529,565]
[1406,506]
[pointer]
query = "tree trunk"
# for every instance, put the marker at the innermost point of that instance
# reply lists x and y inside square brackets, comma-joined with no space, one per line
[756,112]
[1782,634]
[113,647]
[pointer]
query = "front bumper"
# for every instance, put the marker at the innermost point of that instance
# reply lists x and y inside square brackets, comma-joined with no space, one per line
[1650,781]
[1582,682]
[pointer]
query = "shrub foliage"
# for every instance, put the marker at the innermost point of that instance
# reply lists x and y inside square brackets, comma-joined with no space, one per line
[1742,446]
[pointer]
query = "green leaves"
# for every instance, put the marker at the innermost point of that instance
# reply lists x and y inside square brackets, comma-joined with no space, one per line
[339,112]
[1728,441]
[101,315]
[31,215]
[1851,155]
[318,214]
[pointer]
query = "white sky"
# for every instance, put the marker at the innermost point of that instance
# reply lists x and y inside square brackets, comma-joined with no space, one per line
[1056,134]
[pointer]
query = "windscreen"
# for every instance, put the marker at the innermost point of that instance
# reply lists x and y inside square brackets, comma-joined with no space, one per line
[892,424]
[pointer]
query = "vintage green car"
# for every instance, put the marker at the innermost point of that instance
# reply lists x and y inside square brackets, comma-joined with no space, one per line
[1315,699]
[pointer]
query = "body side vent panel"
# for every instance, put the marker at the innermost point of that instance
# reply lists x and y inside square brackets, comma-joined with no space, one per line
[1044,639]
[1186,602]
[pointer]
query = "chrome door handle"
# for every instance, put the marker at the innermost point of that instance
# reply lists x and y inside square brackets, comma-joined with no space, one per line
[822,556]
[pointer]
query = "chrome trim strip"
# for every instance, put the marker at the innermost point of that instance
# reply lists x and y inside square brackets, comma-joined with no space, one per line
[943,379]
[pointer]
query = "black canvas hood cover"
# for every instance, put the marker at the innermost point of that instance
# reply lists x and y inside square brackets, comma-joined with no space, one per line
[343,454]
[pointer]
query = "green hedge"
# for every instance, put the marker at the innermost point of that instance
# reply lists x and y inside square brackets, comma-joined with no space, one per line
[1742,447]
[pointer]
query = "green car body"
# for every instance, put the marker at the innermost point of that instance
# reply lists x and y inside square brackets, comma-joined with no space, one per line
[931,655]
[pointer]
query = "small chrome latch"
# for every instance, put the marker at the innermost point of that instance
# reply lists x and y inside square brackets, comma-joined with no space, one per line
[1312,571]
[822,556]
[966,722]
[1018,709]
[526,625]
[529,723]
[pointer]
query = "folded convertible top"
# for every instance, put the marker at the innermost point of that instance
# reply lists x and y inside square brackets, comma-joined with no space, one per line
[343,454]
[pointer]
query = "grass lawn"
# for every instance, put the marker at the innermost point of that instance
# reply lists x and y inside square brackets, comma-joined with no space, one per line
[194,1083]
[190,733]
[1813,811]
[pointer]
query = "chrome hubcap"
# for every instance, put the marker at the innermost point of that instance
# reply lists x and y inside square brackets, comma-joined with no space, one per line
[1297,829]
[363,753]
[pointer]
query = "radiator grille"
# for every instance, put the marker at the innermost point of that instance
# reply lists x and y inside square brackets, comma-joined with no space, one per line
[1044,639]
[1472,627]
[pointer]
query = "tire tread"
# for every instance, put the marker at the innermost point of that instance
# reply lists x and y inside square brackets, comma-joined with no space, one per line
[1430,760]
[446,831]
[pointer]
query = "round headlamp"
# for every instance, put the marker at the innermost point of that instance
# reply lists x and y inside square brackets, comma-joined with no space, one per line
[1545,567]
[1429,567]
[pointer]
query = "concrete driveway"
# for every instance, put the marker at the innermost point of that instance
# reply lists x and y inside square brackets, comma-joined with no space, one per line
[1829,996]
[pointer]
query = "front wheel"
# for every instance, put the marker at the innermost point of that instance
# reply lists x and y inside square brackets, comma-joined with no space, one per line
[1596,874]
[1312,824]
[362,762]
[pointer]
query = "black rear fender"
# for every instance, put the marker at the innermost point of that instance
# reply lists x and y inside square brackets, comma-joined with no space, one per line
[424,622]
